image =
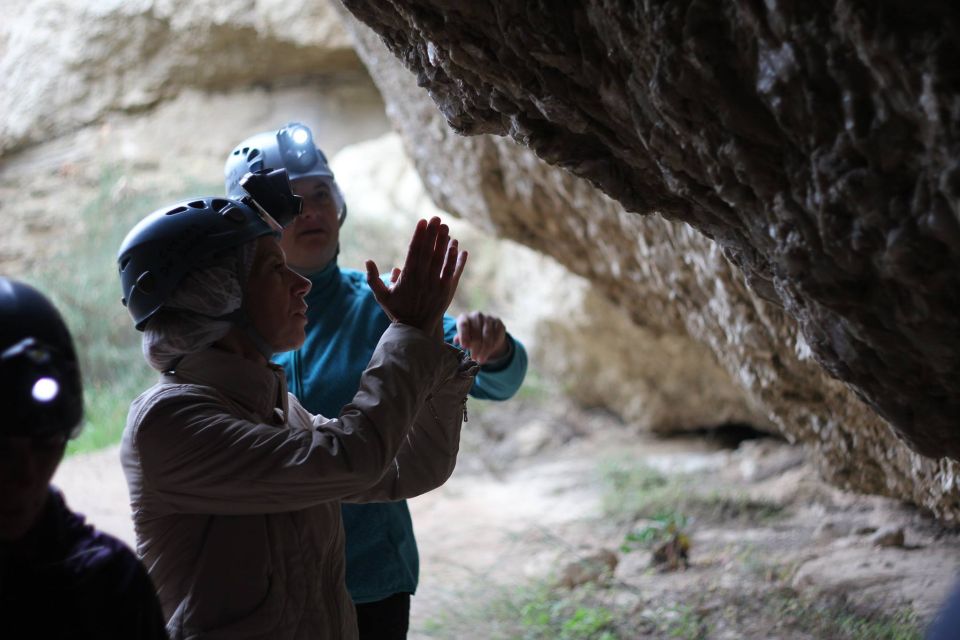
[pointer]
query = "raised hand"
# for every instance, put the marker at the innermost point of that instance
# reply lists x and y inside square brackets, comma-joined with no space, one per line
[421,292]
[483,335]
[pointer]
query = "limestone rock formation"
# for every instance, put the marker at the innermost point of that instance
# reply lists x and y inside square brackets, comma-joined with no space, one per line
[655,380]
[64,63]
[771,328]
[815,142]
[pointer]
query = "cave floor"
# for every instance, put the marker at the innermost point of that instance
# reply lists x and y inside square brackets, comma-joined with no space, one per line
[521,541]
[541,501]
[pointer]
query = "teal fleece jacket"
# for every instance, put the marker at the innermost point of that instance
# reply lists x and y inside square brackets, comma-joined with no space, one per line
[344,324]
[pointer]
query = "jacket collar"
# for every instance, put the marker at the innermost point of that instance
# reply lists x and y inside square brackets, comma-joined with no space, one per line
[261,389]
[323,282]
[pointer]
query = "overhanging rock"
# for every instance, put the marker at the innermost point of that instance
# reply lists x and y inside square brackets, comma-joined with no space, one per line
[815,146]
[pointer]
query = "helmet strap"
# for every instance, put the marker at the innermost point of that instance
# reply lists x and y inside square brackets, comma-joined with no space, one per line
[239,317]
[247,327]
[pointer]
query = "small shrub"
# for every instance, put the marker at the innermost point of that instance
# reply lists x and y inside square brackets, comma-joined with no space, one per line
[537,611]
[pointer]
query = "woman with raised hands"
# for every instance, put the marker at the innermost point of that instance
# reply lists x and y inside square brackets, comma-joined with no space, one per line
[235,488]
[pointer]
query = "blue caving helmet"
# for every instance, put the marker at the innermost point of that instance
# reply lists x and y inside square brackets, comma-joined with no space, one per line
[291,148]
[42,392]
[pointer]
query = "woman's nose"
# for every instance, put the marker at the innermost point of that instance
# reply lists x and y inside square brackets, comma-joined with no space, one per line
[301,285]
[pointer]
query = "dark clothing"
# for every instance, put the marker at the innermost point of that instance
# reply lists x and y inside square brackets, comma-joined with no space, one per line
[65,579]
[387,619]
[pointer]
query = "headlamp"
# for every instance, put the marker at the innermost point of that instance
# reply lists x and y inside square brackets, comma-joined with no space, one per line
[45,389]
[270,194]
[296,148]
[300,136]
[42,393]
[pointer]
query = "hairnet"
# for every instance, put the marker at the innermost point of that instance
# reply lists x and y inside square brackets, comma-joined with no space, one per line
[188,322]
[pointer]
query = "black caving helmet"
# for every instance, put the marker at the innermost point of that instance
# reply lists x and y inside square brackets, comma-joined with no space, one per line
[175,240]
[41,391]
[291,148]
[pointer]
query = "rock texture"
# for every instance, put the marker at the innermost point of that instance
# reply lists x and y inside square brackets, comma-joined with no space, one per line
[815,145]
[815,142]
[52,191]
[65,63]
[764,326]
[654,380]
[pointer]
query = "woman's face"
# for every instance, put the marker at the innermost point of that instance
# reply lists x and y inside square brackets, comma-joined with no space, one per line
[310,242]
[274,297]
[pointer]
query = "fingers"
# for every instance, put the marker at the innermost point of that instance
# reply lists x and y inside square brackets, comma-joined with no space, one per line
[425,258]
[464,335]
[483,335]
[494,337]
[424,288]
[449,261]
[420,254]
[457,272]
[376,284]
[439,252]
[470,330]
[486,329]
[415,247]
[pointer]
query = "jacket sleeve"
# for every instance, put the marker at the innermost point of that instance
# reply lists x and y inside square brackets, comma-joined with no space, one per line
[498,382]
[199,458]
[429,454]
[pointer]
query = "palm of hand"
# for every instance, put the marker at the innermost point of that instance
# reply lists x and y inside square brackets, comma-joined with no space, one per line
[421,292]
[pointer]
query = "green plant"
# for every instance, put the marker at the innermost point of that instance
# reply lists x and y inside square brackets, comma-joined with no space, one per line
[548,612]
[638,491]
[657,529]
[536,611]
[686,623]
[588,622]
[81,279]
[837,618]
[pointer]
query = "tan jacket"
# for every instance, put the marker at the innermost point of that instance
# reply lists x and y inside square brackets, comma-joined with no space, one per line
[236,488]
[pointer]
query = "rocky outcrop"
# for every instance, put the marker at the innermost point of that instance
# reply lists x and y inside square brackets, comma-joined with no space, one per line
[772,331]
[64,63]
[803,160]
[653,379]
[815,142]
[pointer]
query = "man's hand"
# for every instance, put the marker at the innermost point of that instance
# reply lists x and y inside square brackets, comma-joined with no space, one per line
[420,293]
[481,334]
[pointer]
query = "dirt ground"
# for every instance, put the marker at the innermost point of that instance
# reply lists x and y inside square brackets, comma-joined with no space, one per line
[521,541]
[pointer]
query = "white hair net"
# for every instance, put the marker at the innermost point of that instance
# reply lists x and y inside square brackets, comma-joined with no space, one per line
[187,321]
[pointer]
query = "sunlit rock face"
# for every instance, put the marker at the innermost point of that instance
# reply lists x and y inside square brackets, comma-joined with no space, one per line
[832,247]
[66,63]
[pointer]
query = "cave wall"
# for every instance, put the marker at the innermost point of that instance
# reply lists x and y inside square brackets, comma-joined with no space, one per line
[161,86]
[578,341]
[669,275]
[68,63]
[815,142]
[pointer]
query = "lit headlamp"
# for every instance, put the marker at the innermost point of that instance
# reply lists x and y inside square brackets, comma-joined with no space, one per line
[43,395]
[297,149]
